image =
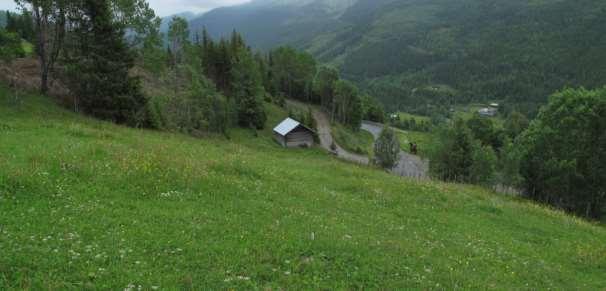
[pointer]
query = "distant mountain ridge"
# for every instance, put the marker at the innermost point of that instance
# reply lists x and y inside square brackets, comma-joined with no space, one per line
[515,51]
[268,23]
[2,18]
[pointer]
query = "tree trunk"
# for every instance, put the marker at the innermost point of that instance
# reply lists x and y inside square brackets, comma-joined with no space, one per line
[48,49]
[43,77]
[41,26]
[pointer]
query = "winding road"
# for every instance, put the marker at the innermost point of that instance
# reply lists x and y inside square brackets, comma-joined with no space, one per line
[408,165]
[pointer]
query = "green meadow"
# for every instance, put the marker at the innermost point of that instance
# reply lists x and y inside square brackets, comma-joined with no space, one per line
[424,140]
[88,205]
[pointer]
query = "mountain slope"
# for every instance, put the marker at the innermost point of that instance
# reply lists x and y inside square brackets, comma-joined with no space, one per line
[121,208]
[268,23]
[515,51]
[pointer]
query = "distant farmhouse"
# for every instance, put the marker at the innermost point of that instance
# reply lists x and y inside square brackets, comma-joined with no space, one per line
[291,133]
[490,111]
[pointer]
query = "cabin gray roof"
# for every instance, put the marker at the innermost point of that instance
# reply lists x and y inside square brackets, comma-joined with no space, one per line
[288,125]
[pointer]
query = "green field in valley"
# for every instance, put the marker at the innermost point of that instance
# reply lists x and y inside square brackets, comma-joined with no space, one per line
[424,141]
[418,118]
[86,204]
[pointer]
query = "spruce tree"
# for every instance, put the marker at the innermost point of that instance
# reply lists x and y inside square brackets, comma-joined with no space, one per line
[247,90]
[10,46]
[99,75]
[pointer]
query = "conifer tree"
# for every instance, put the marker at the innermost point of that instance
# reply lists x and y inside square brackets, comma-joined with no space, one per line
[247,90]
[99,75]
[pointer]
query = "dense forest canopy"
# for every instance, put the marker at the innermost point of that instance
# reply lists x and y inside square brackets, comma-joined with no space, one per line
[409,53]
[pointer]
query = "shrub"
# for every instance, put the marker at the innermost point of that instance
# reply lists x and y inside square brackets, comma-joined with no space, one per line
[387,149]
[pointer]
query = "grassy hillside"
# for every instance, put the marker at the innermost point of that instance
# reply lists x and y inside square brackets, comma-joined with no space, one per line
[517,52]
[86,204]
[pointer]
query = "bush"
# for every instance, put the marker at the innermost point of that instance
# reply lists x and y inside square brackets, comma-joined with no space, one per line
[10,46]
[200,110]
[387,149]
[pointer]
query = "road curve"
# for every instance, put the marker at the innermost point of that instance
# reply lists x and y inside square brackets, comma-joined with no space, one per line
[408,165]
[326,139]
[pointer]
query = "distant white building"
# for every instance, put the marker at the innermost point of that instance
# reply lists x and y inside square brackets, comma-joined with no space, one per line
[488,111]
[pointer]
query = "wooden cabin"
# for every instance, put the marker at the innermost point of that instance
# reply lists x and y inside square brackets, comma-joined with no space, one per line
[291,133]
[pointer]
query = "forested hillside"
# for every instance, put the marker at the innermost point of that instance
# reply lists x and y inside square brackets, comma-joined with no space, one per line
[269,23]
[411,52]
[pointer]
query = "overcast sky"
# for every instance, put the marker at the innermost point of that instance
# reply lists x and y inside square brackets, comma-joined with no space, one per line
[164,7]
[7,5]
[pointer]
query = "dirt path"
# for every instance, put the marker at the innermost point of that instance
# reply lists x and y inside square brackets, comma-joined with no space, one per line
[326,139]
[325,135]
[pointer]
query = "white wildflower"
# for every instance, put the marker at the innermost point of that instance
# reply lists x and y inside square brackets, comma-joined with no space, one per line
[129,287]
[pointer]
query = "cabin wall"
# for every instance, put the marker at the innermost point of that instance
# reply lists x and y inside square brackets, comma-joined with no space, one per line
[300,138]
[280,139]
